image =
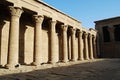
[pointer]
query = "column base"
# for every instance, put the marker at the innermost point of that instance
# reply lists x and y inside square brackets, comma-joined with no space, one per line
[81,59]
[64,61]
[35,64]
[73,60]
[12,66]
[51,62]
[87,58]
[92,58]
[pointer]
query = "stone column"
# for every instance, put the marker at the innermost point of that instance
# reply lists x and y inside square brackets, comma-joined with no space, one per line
[73,47]
[52,42]
[38,39]
[98,44]
[86,46]
[80,46]
[13,49]
[91,46]
[64,43]
[111,31]
[94,46]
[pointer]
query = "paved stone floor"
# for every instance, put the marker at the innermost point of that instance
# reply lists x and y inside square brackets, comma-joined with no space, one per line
[100,69]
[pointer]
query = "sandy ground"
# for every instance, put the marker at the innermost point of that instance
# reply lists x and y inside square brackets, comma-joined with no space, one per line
[100,69]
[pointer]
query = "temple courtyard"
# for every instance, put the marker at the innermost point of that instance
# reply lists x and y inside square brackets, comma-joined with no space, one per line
[98,69]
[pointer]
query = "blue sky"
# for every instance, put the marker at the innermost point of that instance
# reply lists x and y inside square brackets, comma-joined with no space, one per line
[87,11]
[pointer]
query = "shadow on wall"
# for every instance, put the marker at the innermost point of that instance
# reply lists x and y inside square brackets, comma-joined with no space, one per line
[97,70]
[26,23]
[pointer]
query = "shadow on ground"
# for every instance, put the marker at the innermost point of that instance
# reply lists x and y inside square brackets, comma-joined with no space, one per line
[107,69]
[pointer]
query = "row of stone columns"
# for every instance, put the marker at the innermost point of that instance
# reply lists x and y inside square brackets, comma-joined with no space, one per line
[88,50]
[86,46]
[13,51]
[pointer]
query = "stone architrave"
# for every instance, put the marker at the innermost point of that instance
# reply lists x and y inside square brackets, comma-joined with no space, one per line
[52,42]
[80,46]
[38,39]
[64,43]
[86,46]
[73,47]
[13,49]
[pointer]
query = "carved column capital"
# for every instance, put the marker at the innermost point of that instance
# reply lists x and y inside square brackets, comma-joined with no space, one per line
[38,18]
[86,35]
[94,37]
[80,33]
[90,36]
[72,31]
[64,27]
[15,11]
[53,23]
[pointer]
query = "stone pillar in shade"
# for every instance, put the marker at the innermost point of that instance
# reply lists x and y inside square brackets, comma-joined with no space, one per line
[91,46]
[38,39]
[94,46]
[64,43]
[80,46]
[73,46]
[13,49]
[52,42]
[86,46]
[111,31]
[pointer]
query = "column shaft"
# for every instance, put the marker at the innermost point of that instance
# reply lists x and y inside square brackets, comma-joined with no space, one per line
[13,49]
[52,42]
[38,39]
[98,44]
[94,46]
[73,47]
[64,43]
[86,47]
[91,46]
[111,31]
[80,46]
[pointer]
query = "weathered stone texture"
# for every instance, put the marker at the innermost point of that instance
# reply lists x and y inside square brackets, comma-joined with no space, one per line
[109,37]
[36,33]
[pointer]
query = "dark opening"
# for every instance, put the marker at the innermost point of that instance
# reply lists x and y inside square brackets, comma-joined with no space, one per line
[117,32]
[106,34]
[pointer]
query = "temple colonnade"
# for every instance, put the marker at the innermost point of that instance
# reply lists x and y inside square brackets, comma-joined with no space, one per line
[86,41]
